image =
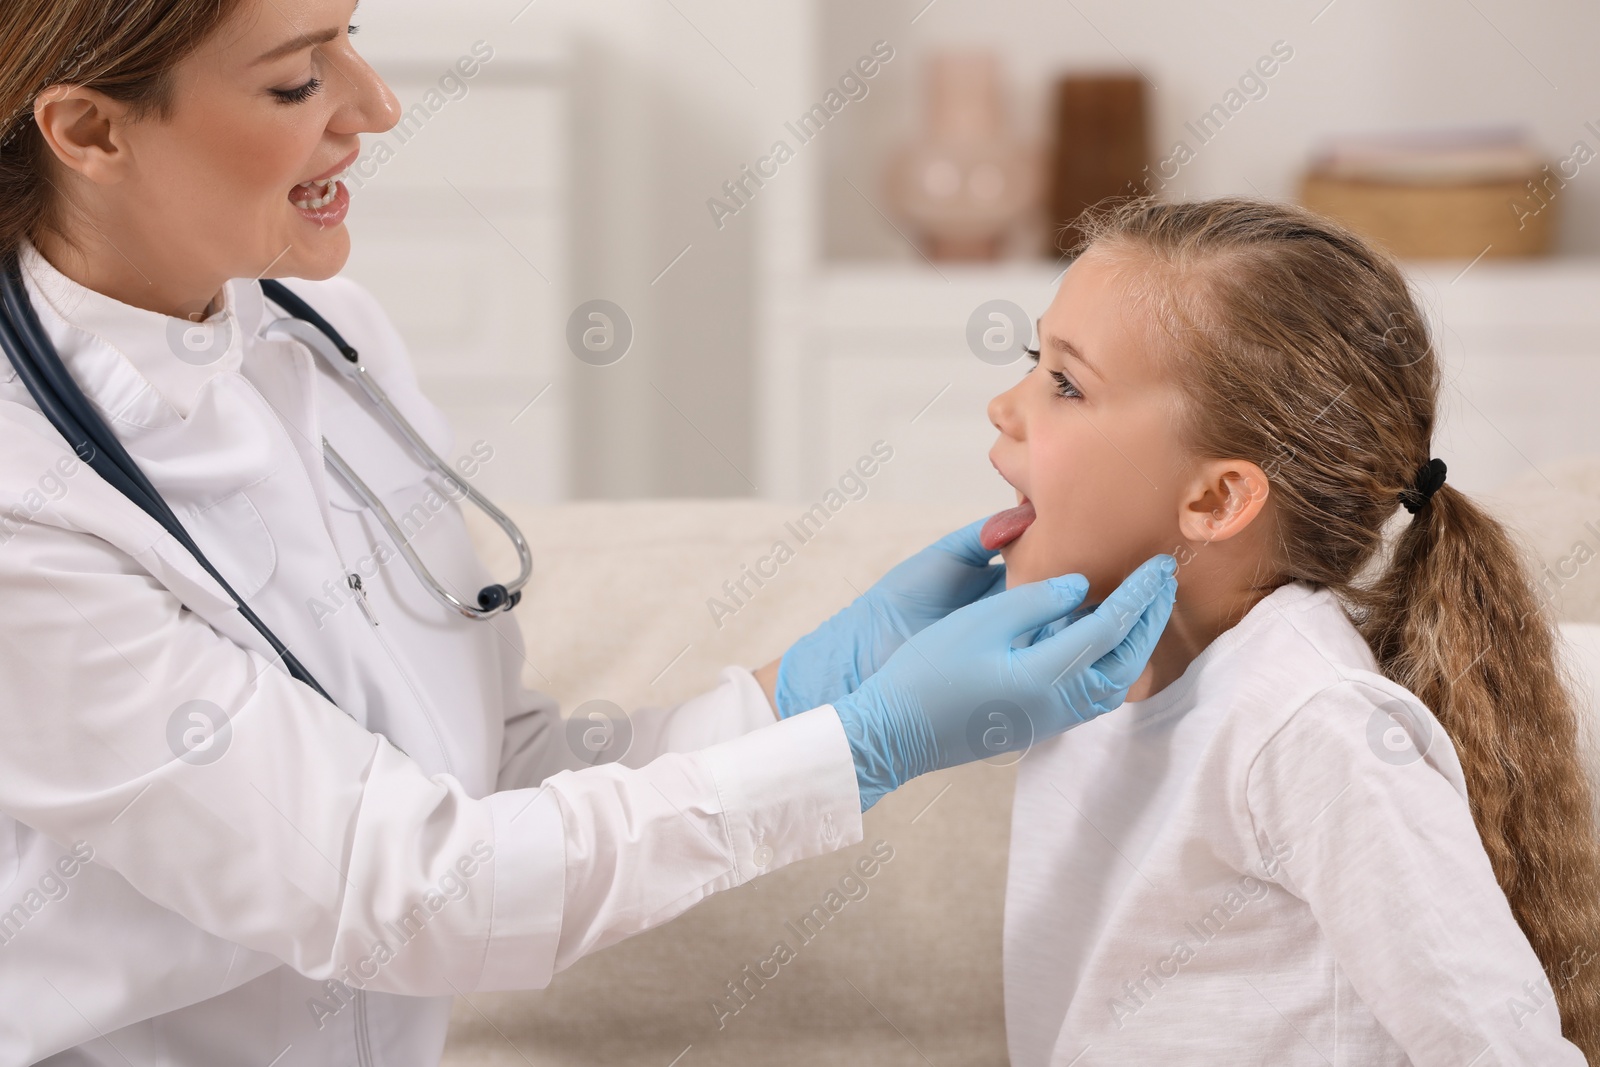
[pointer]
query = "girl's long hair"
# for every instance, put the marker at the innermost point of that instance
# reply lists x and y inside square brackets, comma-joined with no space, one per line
[1301,348]
[126,49]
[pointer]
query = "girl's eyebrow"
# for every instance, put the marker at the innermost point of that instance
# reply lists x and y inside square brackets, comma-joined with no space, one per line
[1061,344]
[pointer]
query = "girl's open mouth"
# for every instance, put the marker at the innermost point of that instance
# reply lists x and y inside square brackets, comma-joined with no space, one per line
[1006,526]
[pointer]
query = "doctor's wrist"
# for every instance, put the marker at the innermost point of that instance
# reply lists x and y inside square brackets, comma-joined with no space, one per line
[767,678]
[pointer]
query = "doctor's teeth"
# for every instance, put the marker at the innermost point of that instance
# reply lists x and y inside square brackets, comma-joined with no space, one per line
[330,190]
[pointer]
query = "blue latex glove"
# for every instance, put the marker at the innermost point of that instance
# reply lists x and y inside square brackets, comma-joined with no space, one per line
[833,659]
[961,690]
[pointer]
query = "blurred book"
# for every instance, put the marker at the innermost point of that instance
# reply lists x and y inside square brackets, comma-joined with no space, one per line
[1429,156]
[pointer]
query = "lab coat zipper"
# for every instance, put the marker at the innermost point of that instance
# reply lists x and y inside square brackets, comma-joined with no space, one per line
[354,581]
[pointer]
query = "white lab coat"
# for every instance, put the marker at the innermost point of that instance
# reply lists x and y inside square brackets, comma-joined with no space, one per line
[315,894]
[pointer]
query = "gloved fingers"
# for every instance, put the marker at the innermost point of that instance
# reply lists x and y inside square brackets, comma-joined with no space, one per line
[1121,667]
[1026,608]
[965,545]
[1083,643]
[996,584]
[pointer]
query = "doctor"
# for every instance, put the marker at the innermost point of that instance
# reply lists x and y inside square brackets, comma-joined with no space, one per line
[203,860]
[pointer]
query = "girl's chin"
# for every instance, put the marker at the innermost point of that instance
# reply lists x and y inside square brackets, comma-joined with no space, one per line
[1018,573]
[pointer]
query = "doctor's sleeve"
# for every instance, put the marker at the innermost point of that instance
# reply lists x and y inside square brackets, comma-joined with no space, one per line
[538,741]
[1380,843]
[298,833]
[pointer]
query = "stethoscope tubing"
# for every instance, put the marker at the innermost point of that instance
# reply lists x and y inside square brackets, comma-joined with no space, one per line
[322,339]
[64,404]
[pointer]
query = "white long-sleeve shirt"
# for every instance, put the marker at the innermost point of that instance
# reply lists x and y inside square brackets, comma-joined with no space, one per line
[315,893]
[1258,865]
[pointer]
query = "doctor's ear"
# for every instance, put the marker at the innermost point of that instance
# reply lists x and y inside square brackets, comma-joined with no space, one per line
[1225,497]
[83,128]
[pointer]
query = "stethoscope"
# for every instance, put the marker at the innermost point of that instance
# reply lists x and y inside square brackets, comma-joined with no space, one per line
[64,404]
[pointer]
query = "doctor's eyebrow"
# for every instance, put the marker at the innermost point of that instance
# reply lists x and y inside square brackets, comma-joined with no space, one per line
[304,40]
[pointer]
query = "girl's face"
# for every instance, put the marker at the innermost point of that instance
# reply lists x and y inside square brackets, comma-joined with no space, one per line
[1089,437]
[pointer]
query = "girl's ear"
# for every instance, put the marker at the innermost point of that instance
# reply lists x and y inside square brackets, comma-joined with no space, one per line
[1225,497]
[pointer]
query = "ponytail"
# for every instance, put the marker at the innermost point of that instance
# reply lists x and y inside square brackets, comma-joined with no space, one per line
[1455,620]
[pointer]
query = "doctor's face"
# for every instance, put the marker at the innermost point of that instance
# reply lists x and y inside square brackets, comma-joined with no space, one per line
[274,98]
[1088,436]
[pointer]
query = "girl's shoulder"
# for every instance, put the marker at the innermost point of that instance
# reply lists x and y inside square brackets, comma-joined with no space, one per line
[1302,699]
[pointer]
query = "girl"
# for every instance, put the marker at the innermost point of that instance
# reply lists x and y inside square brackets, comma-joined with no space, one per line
[1340,819]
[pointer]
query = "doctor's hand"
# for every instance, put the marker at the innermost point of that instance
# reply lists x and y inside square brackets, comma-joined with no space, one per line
[960,691]
[837,656]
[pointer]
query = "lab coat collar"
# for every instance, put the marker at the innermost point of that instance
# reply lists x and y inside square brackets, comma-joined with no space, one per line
[174,358]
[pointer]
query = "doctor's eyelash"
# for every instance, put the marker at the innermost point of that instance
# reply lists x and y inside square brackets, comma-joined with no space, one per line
[299,94]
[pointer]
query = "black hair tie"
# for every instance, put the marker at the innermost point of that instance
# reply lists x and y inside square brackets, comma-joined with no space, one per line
[1429,477]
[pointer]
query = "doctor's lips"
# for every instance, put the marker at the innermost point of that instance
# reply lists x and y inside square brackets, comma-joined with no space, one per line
[324,199]
[1006,526]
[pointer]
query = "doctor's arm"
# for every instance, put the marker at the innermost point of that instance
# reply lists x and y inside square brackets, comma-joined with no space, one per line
[312,840]
[539,741]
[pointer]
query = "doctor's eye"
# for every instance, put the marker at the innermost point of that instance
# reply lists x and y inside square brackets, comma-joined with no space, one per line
[299,94]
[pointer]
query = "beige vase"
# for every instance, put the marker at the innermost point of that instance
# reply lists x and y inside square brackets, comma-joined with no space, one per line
[968,182]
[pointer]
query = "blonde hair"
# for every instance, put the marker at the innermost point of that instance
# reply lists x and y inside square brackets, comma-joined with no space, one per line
[126,49]
[1302,350]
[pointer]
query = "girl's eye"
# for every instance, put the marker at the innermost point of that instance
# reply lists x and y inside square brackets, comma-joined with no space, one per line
[300,94]
[1064,386]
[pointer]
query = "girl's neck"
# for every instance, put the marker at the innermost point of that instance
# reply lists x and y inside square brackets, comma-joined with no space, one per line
[1209,604]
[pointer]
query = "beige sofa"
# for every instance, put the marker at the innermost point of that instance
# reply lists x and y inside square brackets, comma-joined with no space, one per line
[908,972]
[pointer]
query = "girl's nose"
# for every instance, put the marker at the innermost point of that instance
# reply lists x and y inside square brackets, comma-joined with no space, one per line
[1003,413]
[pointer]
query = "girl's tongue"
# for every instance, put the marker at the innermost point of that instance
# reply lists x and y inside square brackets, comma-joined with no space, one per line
[1006,526]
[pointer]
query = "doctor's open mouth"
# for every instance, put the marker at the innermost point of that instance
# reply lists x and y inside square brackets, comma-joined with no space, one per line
[324,199]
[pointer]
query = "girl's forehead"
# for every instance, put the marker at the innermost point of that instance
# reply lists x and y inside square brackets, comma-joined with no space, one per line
[1101,316]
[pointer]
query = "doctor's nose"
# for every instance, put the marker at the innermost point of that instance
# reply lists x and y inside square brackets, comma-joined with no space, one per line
[372,107]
